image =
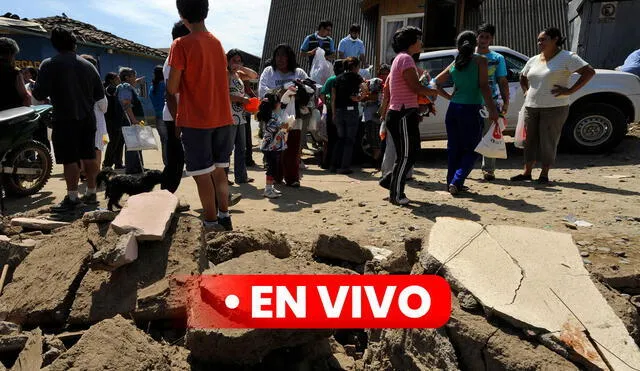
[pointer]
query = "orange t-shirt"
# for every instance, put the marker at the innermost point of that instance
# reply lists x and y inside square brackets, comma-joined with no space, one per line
[204,86]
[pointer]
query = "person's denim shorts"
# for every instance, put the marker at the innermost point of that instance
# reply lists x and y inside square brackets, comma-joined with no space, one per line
[198,151]
[222,141]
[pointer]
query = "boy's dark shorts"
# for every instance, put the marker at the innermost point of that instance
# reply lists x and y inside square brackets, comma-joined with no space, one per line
[74,140]
[198,152]
[222,143]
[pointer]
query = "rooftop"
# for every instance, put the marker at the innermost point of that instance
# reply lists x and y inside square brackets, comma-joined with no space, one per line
[84,32]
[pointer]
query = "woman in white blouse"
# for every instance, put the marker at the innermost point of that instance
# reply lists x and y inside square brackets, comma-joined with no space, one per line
[545,82]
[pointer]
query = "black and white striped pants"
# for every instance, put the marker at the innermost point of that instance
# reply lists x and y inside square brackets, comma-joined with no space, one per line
[404,128]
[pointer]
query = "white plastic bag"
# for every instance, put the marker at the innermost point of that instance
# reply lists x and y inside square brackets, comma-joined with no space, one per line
[521,131]
[321,130]
[492,144]
[321,69]
[289,113]
[139,138]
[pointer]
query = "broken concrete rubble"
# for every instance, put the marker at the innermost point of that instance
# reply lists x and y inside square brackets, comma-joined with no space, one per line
[31,356]
[409,349]
[116,344]
[114,256]
[481,346]
[534,279]
[143,288]
[99,216]
[397,263]
[340,248]
[148,215]
[249,346]
[225,246]
[50,274]
[37,224]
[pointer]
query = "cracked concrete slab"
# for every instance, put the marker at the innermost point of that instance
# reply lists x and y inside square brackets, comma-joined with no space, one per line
[512,272]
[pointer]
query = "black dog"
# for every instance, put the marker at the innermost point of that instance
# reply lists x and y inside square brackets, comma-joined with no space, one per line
[119,185]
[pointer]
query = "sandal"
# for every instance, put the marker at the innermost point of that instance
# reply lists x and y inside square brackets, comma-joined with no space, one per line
[521,177]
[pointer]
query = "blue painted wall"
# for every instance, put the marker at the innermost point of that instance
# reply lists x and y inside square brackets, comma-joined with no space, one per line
[34,49]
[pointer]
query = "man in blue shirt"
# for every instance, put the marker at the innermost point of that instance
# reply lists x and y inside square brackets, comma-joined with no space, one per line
[352,46]
[632,63]
[319,39]
[498,84]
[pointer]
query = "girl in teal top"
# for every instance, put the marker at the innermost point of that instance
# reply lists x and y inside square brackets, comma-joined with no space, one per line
[470,76]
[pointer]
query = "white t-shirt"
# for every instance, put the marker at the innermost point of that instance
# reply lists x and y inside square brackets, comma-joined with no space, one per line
[99,109]
[543,76]
[273,79]
[166,69]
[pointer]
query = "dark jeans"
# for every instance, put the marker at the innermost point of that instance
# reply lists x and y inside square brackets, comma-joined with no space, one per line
[115,147]
[332,139]
[405,132]
[172,173]
[248,158]
[347,122]
[464,132]
[239,144]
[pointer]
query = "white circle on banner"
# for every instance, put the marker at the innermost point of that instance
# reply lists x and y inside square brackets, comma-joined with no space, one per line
[232,301]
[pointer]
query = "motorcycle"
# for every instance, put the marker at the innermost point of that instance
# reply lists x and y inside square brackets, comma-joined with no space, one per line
[25,159]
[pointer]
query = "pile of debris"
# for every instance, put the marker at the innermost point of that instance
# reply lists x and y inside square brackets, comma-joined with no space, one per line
[108,292]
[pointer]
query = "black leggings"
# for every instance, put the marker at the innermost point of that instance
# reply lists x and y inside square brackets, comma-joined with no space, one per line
[273,162]
[403,126]
[172,173]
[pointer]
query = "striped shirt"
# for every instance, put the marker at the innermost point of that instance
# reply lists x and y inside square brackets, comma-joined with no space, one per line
[401,95]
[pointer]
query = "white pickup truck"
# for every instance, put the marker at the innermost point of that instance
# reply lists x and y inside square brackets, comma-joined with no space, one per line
[600,112]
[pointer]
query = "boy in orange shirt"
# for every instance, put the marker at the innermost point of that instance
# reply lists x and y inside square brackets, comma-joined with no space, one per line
[203,118]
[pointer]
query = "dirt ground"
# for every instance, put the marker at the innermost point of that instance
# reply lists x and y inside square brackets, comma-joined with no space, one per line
[584,186]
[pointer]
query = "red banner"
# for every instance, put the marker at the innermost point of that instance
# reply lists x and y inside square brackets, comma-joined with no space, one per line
[318,301]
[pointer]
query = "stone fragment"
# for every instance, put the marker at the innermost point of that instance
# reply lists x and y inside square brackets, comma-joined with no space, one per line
[409,349]
[148,215]
[340,248]
[117,344]
[225,246]
[397,263]
[44,284]
[468,302]
[37,224]
[98,216]
[379,253]
[30,358]
[146,288]
[9,328]
[341,361]
[124,251]
[14,342]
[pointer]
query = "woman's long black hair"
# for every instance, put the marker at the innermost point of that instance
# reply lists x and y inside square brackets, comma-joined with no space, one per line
[291,57]
[158,76]
[109,78]
[268,104]
[466,42]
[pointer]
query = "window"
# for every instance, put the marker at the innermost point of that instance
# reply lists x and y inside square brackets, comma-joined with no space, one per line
[514,66]
[391,24]
[436,65]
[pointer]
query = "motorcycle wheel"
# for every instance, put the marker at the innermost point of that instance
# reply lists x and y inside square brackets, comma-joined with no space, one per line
[31,154]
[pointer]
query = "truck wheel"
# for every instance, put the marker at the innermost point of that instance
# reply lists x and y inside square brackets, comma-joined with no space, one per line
[594,128]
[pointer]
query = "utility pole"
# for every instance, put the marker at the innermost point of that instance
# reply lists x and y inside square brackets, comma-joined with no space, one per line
[424,24]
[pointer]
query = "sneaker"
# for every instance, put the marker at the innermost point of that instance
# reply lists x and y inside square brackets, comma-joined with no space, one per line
[402,201]
[295,184]
[66,205]
[488,176]
[226,223]
[89,199]
[271,193]
[453,190]
[213,227]
[234,199]
[276,191]
[230,182]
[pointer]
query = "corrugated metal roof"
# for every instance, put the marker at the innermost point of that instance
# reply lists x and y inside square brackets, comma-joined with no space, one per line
[291,20]
[518,22]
